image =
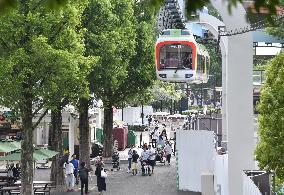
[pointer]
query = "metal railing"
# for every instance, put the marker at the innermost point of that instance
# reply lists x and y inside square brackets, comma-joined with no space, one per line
[249,188]
[258,77]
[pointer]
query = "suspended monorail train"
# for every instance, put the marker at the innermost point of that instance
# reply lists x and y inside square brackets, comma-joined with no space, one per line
[179,58]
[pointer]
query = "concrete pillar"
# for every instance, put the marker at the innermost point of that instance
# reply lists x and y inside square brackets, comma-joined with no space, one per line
[239,110]
[212,24]
[207,183]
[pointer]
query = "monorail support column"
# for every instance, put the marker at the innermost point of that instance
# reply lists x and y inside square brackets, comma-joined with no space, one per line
[239,107]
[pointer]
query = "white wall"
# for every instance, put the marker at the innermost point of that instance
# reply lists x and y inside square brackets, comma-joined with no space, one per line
[195,155]
[249,188]
[221,174]
[132,114]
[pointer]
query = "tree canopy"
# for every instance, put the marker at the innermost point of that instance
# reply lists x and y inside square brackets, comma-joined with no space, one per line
[42,61]
[271,119]
[191,5]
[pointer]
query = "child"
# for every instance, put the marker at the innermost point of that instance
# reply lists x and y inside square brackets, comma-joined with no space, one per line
[130,153]
[135,157]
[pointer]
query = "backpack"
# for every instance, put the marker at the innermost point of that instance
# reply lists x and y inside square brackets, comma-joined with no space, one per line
[83,173]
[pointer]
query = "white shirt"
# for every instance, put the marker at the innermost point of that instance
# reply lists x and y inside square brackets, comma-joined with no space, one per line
[151,154]
[144,155]
[69,168]
[168,149]
[156,134]
[130,153]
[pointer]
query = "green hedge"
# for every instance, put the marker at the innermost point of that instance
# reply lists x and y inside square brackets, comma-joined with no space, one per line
[136,128]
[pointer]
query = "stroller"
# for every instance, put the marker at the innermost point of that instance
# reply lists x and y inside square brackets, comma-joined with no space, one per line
[160,155]
[115,161]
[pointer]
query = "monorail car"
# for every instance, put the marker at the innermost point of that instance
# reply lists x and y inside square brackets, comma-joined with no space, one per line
[179,58]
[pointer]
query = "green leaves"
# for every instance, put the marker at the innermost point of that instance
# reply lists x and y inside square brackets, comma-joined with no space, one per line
[44,50]
[271,119]
[7,5]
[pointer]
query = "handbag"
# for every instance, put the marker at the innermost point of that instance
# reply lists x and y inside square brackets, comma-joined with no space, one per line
[103,174]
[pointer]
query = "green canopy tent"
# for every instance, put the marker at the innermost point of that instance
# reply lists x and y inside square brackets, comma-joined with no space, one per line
[9,146]
[6,149]
[39,154]
[46,152]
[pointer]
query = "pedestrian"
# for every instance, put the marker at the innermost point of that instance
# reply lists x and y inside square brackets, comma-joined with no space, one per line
[168,152]
[144,162]
[135,158]
[151,132]
[151,158]
[16,172]
[83,174]
[75,163]
[164,134]
[101,181]
[130,153]
[149,120]
[155,136]
[161,141]
[69,170]
[10,174]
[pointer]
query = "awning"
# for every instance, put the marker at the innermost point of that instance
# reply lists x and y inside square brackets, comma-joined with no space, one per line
[9,146]
[39,154]
[46,152]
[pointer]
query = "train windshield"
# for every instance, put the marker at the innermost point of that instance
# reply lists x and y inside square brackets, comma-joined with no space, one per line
[176,56]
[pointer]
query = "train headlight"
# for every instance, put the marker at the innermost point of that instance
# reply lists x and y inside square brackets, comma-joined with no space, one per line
[163,76]
[188,75]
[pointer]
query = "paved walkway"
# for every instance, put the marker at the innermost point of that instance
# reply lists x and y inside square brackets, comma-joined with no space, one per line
[162,182]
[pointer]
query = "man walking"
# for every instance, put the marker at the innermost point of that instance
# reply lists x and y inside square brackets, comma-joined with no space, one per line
[75,163]
[83,173]
[151,158]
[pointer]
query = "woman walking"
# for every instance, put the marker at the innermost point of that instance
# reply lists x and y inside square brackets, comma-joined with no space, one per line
[168,152]
[101,181]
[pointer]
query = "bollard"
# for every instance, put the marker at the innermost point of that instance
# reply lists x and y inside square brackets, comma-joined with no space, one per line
[207,183]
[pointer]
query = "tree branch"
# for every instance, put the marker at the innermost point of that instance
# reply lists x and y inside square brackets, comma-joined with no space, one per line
[39,108]
[39,120]
[4,43]
[55,34]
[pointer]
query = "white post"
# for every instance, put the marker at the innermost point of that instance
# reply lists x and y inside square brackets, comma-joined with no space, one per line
[207,183]
[238,97]
[71,135]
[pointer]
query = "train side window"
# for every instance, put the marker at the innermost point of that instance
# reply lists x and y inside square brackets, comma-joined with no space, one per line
[207,64]
[199,62]
[203,64]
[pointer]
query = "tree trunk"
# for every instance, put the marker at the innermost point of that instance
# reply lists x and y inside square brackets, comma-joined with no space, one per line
[27,147]
[57,173]
[84,131]
[108,125]
[142,114]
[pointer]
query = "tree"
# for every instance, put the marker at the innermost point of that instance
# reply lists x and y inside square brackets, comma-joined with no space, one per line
[277,29]
[116,37]
[271,121]
[39,50]
[73,85]
[193,5]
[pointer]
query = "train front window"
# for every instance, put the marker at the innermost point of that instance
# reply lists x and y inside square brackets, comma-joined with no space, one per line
[177,56]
